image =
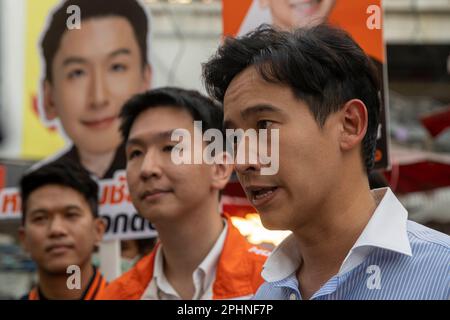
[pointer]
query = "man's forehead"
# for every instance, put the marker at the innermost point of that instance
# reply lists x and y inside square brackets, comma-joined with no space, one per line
[162,116]
[54,195]
[53,188]
[160,121]
[243,83]
[102,36]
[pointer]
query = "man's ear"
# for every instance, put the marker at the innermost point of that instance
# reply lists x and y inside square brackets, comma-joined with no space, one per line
[263,3]
[49,104]
[99,229]
[23,238]
[221,171]
[148,75]
[354,121]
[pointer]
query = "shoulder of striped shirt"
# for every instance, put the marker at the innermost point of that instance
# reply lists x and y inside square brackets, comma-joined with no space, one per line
[420,233]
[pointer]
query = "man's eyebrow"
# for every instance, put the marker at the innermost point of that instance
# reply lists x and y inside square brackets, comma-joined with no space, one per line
[72,206]
[81,60]
[37,211]
[73,59]
[119,52]
[160,136]
[43,210]
[253,110]
[259,108]
[228,124]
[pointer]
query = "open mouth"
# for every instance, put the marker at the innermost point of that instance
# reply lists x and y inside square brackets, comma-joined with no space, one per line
[262,195]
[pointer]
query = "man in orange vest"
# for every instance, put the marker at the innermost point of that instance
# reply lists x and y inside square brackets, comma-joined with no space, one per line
[60,229]
[201,255]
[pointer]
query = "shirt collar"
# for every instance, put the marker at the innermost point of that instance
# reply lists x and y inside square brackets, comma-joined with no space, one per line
[159,278]
[283,261]
[203,275]
[208,266]
[386,229]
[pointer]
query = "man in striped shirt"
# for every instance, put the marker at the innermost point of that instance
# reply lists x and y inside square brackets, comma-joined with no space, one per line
[60,229]
[320,91]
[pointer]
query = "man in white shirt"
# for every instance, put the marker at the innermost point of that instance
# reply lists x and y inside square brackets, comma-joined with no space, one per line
[201,255]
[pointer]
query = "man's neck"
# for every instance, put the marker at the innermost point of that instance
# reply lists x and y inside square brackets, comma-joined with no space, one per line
[187,242]
[54,286]
[97,163]
[325,242]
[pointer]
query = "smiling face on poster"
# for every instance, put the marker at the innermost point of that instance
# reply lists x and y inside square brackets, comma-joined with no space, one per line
[92,67]
[291,14]
[94,56]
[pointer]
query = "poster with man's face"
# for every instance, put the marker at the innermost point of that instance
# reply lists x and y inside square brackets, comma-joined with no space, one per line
[94,57]
[362,19]
[84,59]
[290,14]
[93,72]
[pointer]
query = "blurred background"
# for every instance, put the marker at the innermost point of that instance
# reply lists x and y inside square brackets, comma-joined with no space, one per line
[186,33]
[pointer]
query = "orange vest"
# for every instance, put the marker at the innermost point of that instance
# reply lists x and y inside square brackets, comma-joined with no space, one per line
[238,272]
[94,289]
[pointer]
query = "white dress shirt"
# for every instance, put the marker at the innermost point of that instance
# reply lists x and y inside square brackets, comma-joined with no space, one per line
[386,229]
[393,258]
[203,277]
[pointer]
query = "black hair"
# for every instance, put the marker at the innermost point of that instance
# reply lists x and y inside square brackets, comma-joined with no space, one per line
[200,107]
[322,65]
[64,173]
[131,10]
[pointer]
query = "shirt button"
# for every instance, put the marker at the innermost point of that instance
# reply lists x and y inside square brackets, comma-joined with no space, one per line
[293,296]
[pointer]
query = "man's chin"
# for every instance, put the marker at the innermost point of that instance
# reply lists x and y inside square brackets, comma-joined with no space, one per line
[59,267]
[159,215]
[100,147]
[152,216]
[271,220]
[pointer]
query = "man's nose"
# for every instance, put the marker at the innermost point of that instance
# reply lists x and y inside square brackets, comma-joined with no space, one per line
[246,158]
[99,90]
[150,166]
[57,227]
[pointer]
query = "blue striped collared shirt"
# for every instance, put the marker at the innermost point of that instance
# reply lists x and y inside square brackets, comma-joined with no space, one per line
[393,258]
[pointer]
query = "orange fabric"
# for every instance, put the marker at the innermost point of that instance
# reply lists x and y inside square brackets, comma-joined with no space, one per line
[33,295]
[93,291]
[96,288]
[238,272]
[2,177]
[234,13]
[350,15]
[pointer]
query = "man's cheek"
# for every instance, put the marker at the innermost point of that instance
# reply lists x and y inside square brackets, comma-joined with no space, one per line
[35,242]
[67,111]
[121,85]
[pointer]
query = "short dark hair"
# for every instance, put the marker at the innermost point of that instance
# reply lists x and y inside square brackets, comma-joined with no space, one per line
[200,107]
[131,10]
[64,173]
[322,65]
